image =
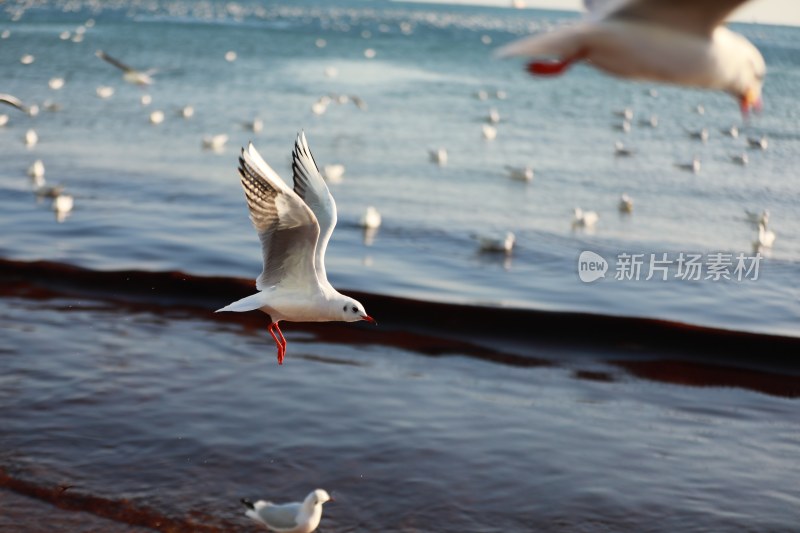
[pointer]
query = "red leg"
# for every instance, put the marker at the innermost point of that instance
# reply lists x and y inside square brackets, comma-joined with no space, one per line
[281,345]
[554,68]
[282,350]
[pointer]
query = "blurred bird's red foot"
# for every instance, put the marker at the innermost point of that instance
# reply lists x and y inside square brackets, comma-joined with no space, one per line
[553,68]
[548,68]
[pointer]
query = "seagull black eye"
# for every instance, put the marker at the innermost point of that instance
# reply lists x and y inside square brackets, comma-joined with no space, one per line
[355,309]
[344,308]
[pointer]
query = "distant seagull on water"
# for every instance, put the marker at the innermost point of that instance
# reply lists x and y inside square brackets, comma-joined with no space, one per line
[215,142]
[62,206]
[759,143]
[496,244]
[625,204]
[732,132]
[700,135]
[31,138]
[681,42]
[584,219]
[186,111]
[294,226]
[130,74]
[765,238]
[333,173]
[693,166]
[740,159]
[438,156]
[36,170]
[520,173]
[296,517]
[371,219]
[620,150]
[156,117]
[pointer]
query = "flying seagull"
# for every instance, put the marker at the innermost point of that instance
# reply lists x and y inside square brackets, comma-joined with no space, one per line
[13,101]
[131,75]
[293,517]
[294,227]
[672,41]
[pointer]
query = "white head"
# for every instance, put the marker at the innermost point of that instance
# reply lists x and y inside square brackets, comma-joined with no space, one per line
[317,497]
[350,310]
[745,75]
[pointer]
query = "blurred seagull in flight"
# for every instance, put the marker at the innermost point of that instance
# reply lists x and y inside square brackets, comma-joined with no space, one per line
[294,226]
[13,101]
[293,517]
[672,41]
[131,75]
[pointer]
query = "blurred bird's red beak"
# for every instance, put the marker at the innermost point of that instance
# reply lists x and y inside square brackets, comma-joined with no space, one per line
[750,100]
[369,319]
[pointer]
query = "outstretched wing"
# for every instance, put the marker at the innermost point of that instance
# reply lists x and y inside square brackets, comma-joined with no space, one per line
[697,17]
[116,62]
[309,185]
[286,226]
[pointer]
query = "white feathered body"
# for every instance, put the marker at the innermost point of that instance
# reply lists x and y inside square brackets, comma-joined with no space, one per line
[293,305]
[307,522]
[647,51]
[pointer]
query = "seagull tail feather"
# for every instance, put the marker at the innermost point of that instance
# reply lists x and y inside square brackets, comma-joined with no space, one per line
[247,503]
[248,303]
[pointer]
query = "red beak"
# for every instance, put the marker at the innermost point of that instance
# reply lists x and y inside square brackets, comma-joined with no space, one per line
[369,319]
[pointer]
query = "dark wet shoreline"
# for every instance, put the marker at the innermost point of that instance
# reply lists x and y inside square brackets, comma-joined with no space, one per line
[574,329]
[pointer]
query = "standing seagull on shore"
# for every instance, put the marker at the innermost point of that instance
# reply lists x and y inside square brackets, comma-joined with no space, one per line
[296,517]
[672,41]
[294,227]
[131,75]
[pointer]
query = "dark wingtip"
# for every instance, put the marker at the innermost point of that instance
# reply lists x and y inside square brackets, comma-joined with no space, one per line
[247,503]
